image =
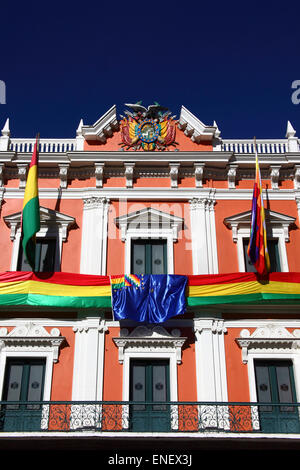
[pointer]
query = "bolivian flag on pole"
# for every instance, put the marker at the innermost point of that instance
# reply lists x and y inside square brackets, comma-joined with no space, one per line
[31,209]
[257,248]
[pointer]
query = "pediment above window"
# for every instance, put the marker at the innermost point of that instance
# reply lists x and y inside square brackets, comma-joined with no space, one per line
[32,337]
[149,340]
[147,220]
[266,339]
[273,219]
[49,219]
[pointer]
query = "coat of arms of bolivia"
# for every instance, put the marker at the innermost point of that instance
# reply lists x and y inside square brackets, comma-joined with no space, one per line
[147,128]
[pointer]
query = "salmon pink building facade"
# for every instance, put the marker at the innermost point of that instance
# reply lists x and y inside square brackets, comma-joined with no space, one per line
[150,194]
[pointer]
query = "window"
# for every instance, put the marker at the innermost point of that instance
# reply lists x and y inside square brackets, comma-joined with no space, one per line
[150,357]
[53,232]
[24,381]
[275,385]
[44,256]
[149,383]
[149,257]
[273,254]
[278,227]
[149,236]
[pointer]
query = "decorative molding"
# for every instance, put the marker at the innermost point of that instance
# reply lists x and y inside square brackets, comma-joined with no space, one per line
[49,219]
[101,129]
[94,235]
[149,219]
[194,128]
[243,221]
[22,174]
[174,174]
[231,176]
[99,172]
[149,223]
[274,175]
[199,172]
[31,337]
[203,234]
[297,177]
[129,173]
[269,338]
[149,340]
[63,174]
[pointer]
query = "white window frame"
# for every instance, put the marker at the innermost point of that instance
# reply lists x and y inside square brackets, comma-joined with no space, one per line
[53,225]
[150,343]
[276,233]
[277,229]
[30,340]
[271,341]
[148,224]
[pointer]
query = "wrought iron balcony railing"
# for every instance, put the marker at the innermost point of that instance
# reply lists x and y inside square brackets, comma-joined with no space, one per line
[165,417]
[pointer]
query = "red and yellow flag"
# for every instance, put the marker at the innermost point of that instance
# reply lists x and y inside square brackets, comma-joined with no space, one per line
[31,209]
[257,248]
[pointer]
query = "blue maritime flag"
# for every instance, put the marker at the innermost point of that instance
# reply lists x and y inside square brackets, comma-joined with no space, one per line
[149,298]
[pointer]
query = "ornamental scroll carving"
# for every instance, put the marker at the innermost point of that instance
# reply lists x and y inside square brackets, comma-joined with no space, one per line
[269,338]
[31,337]
[149,340]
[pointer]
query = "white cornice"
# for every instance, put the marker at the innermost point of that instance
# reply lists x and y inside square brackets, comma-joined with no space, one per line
[155,193]
[194,128]
[101,129]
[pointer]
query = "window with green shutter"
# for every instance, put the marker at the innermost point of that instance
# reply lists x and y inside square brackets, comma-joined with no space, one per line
[148,256]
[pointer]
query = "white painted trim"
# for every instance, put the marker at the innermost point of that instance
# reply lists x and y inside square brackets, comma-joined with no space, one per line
[276,233]
[211,373]
[88,360]
[155,193]
[269,341]
[30,340]
[94,235]
[203,235]
[149,223]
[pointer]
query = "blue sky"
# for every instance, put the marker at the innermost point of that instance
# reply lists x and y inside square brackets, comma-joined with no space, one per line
[233,62]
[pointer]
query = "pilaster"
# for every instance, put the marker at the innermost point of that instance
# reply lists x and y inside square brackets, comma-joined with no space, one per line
[210,360]
[203,233]
[94,235]
[88,360]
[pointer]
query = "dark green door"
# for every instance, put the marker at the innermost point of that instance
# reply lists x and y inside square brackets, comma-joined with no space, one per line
[275,384]
[24,382]
[149,257]
[149,383]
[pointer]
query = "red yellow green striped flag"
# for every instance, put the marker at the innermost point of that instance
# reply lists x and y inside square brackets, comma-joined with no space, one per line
[31,209]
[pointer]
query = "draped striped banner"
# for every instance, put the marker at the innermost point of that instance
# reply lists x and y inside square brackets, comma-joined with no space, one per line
[67,290]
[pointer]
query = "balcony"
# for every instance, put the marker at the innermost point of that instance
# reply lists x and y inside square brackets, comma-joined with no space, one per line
[132,418]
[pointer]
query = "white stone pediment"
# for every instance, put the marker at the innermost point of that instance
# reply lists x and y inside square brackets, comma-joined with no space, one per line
[48,218]
[196,129]
[147,219]
[31,337]
[268,338]
[102,128]
[273,219]
[149,339]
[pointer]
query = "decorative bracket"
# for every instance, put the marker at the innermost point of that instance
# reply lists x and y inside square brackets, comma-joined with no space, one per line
[32,337]
[271,337]
[149,339]
[63,174]
[174,173]
[199,171]
[129,170]
[99,171]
